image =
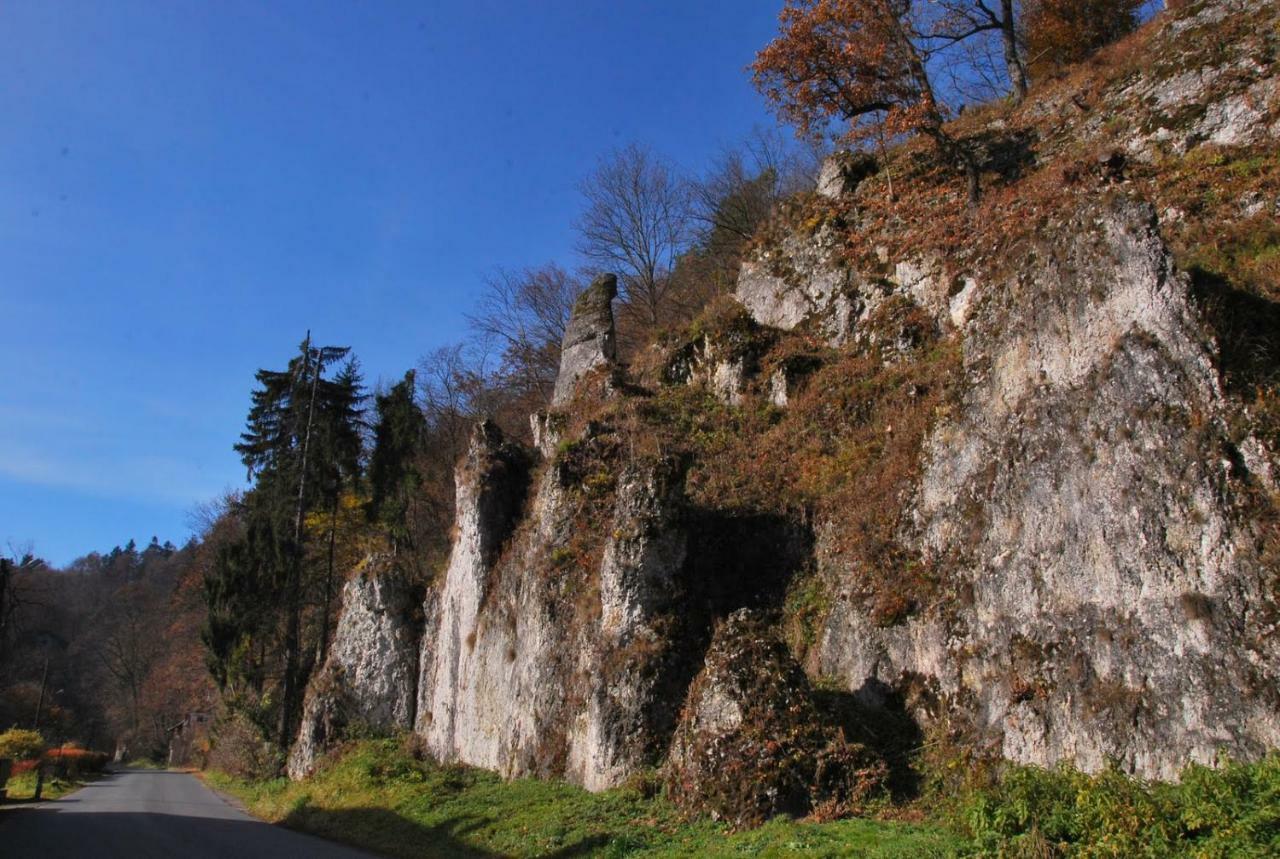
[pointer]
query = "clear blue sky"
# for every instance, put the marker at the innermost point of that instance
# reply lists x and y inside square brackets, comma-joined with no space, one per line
[188,186]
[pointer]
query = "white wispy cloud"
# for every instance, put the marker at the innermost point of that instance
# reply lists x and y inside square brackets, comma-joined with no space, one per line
[153,478]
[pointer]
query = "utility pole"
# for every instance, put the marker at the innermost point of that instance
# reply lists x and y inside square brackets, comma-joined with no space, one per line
[44,681]
[35,725]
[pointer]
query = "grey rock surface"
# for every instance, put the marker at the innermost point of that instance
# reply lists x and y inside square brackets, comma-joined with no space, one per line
[1107,581]
[370,674]
[842,172]
[801,280]
[539,665]
[589,340]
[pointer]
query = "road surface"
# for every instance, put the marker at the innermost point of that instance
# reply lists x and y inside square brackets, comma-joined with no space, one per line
[140,814]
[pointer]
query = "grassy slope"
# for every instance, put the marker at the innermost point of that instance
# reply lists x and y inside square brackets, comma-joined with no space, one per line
[382,799]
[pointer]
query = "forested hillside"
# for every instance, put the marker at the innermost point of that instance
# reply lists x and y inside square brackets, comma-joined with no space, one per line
[105,652]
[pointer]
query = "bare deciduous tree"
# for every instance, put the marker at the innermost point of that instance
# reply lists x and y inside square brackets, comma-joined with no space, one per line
[948,23]
[525,313]
[636,222]
[446,385]
[743,183]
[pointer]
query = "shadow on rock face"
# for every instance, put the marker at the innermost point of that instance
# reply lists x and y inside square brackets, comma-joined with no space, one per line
[1247,328]
[876,716]
[744,560]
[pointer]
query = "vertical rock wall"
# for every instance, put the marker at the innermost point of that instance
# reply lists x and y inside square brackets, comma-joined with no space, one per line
[1106,600]
[370,674]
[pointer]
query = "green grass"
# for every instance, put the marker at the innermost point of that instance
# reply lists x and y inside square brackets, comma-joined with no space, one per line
[145,764]
[1232,810]
[377,797]
[23,787]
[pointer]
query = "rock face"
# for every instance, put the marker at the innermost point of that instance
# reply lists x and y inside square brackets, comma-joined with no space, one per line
[370,676]
[720,357]
[589,340]
[550,660]
[842,172]
[750,744]
[1087,509]
[803,280]
[491,482]
[1106,585]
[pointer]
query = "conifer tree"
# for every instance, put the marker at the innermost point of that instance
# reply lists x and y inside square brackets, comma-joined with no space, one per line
[302,441]
[393,473]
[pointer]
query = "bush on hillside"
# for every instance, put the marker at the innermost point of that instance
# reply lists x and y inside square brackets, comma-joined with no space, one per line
[1229,810]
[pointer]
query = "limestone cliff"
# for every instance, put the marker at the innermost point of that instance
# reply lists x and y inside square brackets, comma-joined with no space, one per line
[1106,600]
[369,678]
[1008,473]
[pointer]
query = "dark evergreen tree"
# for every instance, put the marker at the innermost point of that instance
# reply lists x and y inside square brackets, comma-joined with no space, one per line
[301,443]
[339,446]
[393,472]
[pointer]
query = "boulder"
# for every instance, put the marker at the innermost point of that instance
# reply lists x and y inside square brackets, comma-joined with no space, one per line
[842,173]
[751,744]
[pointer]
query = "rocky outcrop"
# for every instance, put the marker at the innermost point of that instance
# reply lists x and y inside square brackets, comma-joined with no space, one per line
[722,354]
[369,679]
[589,341]
[750,744]
[556,659]
[1106,587]
[491,482]
[1070,538]
[802,280]
[842,172]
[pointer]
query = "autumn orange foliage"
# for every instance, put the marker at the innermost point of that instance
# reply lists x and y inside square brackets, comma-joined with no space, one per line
[856,61]
[847,60]
[1062,32]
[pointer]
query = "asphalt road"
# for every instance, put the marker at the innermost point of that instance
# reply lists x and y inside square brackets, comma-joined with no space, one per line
[139,814]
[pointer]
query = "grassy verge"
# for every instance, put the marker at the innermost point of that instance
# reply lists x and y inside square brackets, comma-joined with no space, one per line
[22,787]
[377,797]
[1232,810]
[380,798]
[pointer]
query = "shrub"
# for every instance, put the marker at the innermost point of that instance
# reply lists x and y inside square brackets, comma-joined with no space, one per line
[239,748]
[1229,810]
[1062,32]
[21,745]
[73,762]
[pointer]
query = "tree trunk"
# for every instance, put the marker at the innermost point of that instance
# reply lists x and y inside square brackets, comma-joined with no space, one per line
[293,627]
[1012,56]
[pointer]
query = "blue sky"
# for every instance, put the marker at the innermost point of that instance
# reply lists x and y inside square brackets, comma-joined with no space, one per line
[189,186]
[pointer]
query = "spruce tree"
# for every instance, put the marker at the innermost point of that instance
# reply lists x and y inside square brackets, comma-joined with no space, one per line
[393,473]
[301,443]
